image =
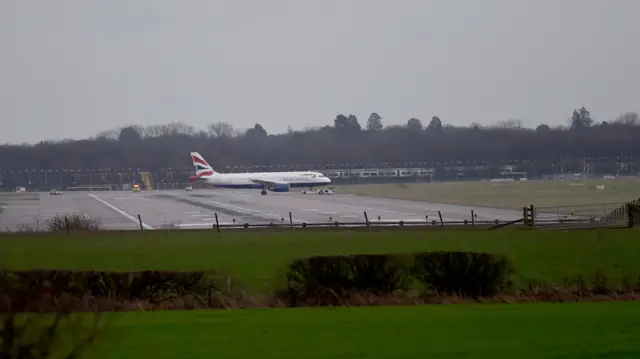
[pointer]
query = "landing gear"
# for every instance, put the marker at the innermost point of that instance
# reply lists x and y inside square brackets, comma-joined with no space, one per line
[263,192]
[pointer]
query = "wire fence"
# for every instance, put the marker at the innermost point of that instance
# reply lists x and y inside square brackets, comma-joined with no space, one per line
[78,222]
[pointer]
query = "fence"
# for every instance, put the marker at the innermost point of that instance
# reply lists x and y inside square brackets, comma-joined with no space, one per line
[80,222]
[599,212]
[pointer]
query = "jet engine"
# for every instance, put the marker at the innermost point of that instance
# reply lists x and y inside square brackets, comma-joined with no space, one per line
[279,187]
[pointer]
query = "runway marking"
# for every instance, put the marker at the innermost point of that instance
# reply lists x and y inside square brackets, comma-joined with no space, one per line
[404,220]
[350,216]
[20,207]
[201,215]
[205,224]
[327,213]
[123,213]
[192,212]
[252,210]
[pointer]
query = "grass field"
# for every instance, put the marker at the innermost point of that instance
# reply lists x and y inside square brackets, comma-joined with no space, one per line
[577,330]
[568,330]
[511,195]
[255,259]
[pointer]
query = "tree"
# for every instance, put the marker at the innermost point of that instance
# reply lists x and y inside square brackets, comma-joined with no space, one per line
[108,135]
[352,123]
[221,129]
[510,124]
[414,124]
[581,118]
[129,134]
[340,122]
[542,128]
[375,122]
[629,119]
[257,132]
[344,123]
[435,125]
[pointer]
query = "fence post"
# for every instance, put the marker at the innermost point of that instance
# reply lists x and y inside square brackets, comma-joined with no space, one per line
[141,227]
[441,221]
[366,218]
[473,218]
[217,223]
[66,223]
[291,221]
[525,215]
[630,215]
[532,210]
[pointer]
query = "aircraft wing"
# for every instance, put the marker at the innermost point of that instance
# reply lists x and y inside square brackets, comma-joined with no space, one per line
[265,182]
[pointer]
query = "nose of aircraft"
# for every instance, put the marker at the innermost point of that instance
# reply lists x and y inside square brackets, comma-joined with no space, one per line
[327,180]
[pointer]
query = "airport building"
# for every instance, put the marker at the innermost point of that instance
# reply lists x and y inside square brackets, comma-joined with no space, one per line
[384,172]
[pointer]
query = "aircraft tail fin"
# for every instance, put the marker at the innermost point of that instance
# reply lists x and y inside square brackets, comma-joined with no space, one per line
[202,167]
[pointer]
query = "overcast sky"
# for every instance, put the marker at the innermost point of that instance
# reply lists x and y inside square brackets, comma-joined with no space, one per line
[72,68]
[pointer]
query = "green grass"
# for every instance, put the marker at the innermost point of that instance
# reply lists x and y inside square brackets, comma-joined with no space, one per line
[512,195]
[254,259]
[569,330]
[576,330]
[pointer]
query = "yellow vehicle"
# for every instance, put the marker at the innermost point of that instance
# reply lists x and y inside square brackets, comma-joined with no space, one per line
[136,188]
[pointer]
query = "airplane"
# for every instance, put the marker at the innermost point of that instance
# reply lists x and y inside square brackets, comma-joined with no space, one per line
[267,181]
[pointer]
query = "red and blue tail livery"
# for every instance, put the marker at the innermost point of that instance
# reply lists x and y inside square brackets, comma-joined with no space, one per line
[202,167]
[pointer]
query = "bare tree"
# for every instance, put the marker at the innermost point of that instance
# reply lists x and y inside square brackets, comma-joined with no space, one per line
[221,129]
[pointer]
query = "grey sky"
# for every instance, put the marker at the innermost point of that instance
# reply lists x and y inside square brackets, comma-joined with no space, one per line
[69,69]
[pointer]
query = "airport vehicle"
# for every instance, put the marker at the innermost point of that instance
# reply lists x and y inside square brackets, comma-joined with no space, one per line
[136,188]
[267,181]
[189,188]
[326,191]
[54,192]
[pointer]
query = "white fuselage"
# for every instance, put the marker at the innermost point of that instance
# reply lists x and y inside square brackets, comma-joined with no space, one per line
[245,180]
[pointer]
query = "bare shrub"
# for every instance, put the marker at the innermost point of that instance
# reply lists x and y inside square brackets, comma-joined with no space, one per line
[25,228]
[73,221]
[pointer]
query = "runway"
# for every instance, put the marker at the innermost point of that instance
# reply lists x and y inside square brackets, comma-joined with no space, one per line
[180,209]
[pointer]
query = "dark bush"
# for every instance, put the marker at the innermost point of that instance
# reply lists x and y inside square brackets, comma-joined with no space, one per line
[329,279]
[319,275]
[465,274]
[380,273]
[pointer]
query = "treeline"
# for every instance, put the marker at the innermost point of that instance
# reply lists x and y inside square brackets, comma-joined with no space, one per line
[346,141]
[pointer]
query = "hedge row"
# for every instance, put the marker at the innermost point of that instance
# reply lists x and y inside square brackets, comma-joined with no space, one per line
[366,279]
[328,280]
[26,290]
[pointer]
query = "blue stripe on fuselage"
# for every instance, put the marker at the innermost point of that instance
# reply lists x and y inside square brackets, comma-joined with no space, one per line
[258,185]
